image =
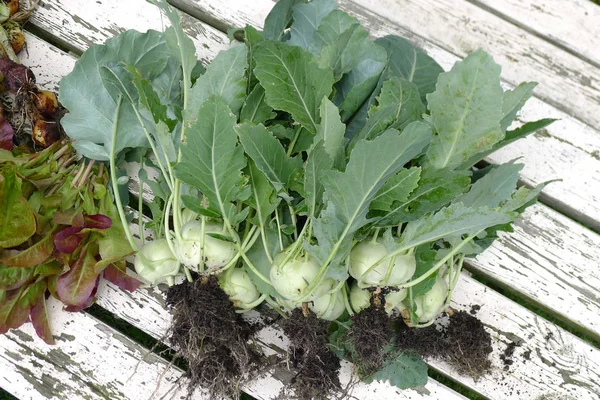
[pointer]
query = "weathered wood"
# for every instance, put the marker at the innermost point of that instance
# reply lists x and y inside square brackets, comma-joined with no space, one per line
[90,361]
[573,25]
[562,151]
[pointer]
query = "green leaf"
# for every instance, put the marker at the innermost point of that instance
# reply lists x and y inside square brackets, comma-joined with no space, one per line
[426,258]
[331,131]
[406,370]
[293,82]
[256,110]
[466,110]
[211,159]
[511,136]
[17,220]
[252,38]
[264,198]
[411,63]
[513,101]
[225,77]
[318,162]
[113,245]
[434,191]
[397,106]
[524,197]
[32,294]
[495,187]
[279,19]
[33,255]
[92,100]
[269,155]
[348,194]
[397,189]
[456,219]
[13,277]
[307,18]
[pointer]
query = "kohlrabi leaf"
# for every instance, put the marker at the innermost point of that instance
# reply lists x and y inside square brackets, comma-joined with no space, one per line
[426,258]
[496,186]
[211,159]
[307,18]
[340,43]
[397,189]
[406,370]
[357,85]
[17,219]
[318,162]
[331,131]
[511,136]
[411,63]
[256,110]
[252,38]
[456,219]
[264,198]
[92,101]
[269,156]
[466,110]
[397,106]
[225,77]
[279,18]
[434,191]
[513,100]
[293,81]
[348,194]
[523,198]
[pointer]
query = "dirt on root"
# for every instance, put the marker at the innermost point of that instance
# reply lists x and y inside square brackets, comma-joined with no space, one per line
[318,367]
[464,343]
[370,334]
[210,336]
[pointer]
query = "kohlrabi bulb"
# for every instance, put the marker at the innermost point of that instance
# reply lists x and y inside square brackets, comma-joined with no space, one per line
[329,306]
[367,253]
[239,287]
[217,253]
[430,305]
[361,299]
[155,262]
[293,278]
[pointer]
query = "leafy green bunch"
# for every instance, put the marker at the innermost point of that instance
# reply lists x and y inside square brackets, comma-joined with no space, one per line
[271,167]
[56,235]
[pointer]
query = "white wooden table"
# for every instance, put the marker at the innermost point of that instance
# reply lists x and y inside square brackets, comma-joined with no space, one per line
[550,263]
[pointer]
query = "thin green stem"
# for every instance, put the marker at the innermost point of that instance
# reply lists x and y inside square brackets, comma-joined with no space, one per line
[346,300]
[294,140]
[113,176]
[141,204]
[253,304]
[279,229]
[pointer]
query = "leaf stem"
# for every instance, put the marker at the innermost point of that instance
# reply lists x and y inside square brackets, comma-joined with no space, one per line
[294,140]
[113,178]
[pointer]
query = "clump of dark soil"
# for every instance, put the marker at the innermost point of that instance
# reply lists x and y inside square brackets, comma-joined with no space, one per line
[370,335]
[507,355]
[318,367]
[210,336]
[464,343]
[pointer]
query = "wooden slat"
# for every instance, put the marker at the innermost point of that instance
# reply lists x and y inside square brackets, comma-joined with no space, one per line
[574,24]
[89,361]
[568,149]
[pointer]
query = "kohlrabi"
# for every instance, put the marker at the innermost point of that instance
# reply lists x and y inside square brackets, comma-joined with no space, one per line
[156,263]
[330,306]
[430,305]
[361,299]
[198,247]
[366,267]
[291,276]
[240,289]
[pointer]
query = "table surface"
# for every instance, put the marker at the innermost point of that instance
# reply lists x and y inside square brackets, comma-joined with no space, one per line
[542,282]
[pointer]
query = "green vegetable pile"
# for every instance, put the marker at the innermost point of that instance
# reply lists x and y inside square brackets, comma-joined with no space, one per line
[57,235]
[308,167]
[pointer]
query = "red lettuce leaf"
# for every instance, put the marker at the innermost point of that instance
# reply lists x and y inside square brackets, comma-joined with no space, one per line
[88,302]
[32,256]
[121,279]
[39,318]
[6,135]
[97,221]
[69,217]
[12,315]
[67,240]
[17,219]
[75,287]
[13,278]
